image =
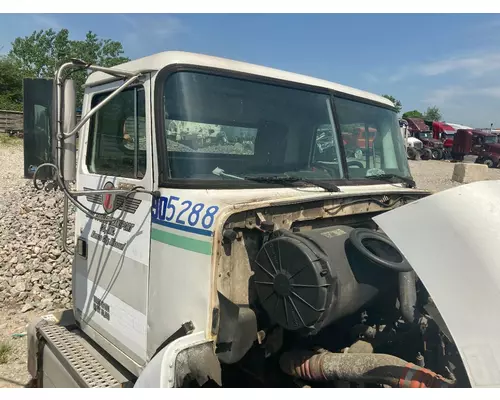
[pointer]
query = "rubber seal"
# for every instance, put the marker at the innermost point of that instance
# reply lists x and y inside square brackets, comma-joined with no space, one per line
[358,235]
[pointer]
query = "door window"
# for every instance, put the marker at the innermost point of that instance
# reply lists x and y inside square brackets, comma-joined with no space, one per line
[117,138]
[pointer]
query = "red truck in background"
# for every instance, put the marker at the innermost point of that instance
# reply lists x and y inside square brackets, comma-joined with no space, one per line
[444,132]
[356,142]
[420,130]
[479,143]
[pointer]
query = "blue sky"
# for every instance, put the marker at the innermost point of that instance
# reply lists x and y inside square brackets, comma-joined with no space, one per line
[452,61]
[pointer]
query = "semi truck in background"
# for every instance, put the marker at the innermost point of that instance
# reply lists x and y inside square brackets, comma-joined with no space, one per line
[215,264]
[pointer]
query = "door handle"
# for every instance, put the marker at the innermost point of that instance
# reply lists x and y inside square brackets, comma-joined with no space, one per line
[81,247]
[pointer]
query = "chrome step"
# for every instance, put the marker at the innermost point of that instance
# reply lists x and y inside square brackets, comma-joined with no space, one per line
[86,368]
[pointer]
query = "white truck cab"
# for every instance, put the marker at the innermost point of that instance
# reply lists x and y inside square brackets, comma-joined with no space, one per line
[222,234]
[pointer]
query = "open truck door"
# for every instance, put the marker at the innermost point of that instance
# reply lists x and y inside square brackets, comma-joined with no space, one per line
[39,144]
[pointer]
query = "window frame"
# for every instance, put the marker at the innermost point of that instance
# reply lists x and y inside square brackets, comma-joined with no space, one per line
[164,179]
[90,132]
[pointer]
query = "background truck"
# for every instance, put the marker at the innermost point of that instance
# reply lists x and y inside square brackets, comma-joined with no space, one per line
[478,143]
[421,131]
[214,266]
[414,147]
[445,133]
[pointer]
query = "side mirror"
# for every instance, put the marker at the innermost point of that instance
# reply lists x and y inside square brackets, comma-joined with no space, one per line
[68,123]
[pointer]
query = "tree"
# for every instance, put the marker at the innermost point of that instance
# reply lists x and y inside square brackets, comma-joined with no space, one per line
[43,52]
[397,103]
[433,114]
[11,85]
[413,114]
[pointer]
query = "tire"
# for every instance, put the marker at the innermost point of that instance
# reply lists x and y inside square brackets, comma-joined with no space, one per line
[411,153]
[489,163]
[437,154]
[426,154]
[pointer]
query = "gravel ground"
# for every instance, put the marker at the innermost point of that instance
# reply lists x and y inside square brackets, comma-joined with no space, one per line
[14,372]
[436,175]
[431,175]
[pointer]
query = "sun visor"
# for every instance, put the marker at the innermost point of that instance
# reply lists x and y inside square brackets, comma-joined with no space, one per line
[451,239]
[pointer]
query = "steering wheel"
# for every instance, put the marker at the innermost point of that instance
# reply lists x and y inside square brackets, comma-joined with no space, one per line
[354,164]
[332,171]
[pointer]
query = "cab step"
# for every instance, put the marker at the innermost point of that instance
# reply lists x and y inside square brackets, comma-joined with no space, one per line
[68,353]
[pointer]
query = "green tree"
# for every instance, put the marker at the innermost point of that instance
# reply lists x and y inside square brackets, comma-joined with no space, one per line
[413,114]
[11,85]
[43,52]
[433,114]
[396,102]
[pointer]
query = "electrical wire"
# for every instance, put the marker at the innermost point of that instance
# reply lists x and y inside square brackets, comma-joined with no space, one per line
[101,217]
[336,209]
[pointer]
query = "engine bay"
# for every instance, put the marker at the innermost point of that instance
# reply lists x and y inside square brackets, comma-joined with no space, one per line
[326,302]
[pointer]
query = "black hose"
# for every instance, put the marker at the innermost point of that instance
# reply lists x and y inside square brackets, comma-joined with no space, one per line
[408,297]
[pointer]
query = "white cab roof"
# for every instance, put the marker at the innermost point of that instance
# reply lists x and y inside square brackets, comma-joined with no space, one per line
[160,60]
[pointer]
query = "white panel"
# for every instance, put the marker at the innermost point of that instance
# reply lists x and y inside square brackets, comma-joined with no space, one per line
[462,269]
[179,291]
[126,324]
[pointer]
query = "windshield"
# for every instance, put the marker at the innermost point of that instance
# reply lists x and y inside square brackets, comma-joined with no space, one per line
[425,135]
[382,151]
[490,139]
[219,128]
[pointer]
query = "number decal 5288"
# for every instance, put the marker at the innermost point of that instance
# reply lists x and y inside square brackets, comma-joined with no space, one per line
[184,212]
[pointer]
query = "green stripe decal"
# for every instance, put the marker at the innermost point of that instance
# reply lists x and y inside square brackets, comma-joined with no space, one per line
[195,245]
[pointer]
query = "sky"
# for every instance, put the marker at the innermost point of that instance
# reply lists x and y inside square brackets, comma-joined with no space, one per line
[450,61]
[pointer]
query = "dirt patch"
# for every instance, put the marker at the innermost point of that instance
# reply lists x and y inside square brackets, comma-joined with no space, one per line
[14,373]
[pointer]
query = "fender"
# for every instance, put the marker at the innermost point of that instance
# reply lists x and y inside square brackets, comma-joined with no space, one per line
[192,354]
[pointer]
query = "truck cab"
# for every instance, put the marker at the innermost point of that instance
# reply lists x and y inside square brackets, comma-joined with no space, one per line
[476,142]
[222,229]
[419,129]
[445,133]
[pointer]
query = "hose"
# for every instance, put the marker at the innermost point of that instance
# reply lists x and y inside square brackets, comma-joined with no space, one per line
[101,217]
[382,369]
[408,297]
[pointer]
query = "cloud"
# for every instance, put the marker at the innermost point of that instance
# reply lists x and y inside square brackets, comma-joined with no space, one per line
[146,31]
[451,94]
[493,91]
[161,26]
[371,78]
[46,21]
[441,96]
[474,65]
[167,27]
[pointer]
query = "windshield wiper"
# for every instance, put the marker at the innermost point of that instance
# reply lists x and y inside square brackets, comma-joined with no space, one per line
[388,177]
[328,186]
[283,180]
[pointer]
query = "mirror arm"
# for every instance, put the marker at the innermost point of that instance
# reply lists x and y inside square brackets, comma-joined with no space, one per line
[95,109]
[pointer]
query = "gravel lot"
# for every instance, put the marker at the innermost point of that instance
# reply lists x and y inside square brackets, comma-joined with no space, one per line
[436,175]
[14,372]
[42,281]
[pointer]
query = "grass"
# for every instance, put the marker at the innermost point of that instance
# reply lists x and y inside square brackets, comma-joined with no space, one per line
[7,141]
[5,350]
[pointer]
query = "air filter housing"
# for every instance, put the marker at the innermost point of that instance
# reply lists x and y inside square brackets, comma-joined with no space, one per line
[306,281]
